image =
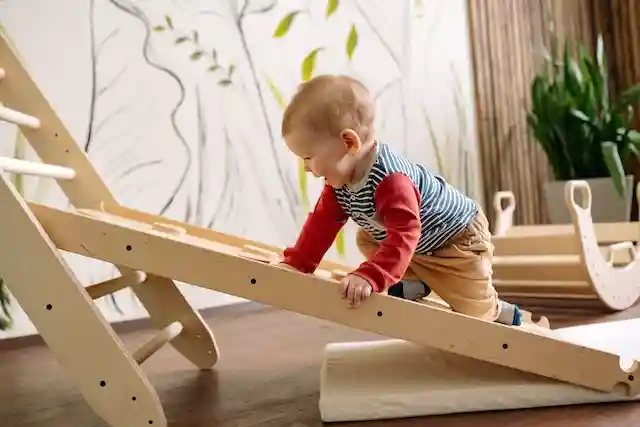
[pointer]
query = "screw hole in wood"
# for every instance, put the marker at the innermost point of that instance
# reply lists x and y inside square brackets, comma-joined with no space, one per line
[505,346]
[253,281]
[49,306]
[630,377]
[103,383]
[379,314]
[128,247]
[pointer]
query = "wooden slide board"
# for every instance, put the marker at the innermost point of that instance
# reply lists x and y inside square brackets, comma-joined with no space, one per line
[580,263]
[214,265]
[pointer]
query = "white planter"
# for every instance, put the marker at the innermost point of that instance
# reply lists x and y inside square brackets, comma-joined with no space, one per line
[606,204]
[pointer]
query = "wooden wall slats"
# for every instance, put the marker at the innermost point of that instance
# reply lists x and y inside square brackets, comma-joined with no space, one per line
[507,39]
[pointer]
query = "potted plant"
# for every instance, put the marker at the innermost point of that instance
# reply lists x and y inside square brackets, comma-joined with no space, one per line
[584,132]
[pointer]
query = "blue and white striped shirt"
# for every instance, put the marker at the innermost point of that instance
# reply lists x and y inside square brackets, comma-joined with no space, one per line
[444,210]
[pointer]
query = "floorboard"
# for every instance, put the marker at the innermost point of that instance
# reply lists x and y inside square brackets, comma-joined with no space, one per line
[268,376]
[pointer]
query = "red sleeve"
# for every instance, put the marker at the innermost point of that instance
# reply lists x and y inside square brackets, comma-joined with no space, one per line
[317,234]
[397,204]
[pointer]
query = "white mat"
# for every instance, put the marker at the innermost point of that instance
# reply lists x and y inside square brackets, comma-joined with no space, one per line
[396,379]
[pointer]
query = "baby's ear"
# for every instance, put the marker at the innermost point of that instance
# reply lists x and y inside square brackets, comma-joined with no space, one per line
[351,140]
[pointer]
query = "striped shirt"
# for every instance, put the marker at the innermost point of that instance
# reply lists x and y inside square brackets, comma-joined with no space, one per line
[404,206]
[444,210]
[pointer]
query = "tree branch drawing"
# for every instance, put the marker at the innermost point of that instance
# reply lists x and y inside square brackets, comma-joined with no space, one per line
[307,68]
[397,60]
[291,195]
[211,60]
[135,12]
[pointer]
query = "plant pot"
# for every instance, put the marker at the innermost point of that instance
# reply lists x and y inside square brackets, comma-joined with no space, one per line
[606,204]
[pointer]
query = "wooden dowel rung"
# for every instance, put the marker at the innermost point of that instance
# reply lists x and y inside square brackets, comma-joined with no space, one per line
[111,286]
[18,118]
[25,167]
[157,342]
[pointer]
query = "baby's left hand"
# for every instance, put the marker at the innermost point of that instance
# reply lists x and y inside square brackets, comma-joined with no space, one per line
[355,289]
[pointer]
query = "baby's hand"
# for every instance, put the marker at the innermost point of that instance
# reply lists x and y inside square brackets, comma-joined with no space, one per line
[355,289]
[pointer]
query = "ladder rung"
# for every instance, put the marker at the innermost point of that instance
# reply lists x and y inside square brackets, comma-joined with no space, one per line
[25,167]
[160,339]
[2,73]
[18,118]
[111,286]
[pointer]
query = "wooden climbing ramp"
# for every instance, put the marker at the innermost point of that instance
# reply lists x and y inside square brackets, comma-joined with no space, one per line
[151,252]
[580,265]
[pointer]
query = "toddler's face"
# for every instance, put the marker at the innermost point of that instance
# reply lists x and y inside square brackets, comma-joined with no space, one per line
[322,156]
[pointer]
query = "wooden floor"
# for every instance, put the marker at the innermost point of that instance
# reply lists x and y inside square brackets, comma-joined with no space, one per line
[268,376]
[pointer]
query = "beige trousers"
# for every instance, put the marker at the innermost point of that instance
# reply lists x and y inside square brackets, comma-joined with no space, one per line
[459,271]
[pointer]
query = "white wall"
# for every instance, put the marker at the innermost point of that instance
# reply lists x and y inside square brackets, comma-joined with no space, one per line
[151,113]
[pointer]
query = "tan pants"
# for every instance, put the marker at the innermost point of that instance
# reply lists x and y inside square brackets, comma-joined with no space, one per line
[459,272]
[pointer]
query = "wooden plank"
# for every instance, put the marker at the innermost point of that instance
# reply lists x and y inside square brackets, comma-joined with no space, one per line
[82,341]
[192,260]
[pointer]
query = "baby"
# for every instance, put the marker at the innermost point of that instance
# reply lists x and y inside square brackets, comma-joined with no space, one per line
[417,232]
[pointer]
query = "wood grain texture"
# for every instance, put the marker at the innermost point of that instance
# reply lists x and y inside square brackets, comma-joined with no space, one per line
[268,376]
[507,39]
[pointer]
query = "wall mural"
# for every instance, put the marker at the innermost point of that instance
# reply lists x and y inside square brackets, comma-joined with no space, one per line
[185,99]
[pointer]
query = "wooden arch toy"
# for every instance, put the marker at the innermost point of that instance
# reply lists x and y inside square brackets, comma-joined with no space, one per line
[152,251]
[578,264]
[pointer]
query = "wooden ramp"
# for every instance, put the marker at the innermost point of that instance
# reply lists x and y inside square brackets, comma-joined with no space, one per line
[151,252]
[580,265]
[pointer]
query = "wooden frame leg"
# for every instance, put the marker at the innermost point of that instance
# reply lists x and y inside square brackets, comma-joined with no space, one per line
[83,342]
[165,304]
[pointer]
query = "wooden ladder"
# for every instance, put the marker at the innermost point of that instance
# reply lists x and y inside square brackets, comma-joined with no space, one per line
[107,374]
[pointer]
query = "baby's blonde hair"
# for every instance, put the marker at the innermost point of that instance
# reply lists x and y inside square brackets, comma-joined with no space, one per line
[328,104]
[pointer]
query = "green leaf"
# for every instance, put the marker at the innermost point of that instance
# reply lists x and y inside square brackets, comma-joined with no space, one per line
[634,137]
[159,28]
[302,178]
[635,150]
[614,165]
[285,23]
[232,68]
[224,82]
[332,5]
[213,68]
[340,243]
[169,21]
[352,41]
[196,55]
[309,63]
[582,117]
[276,94]
[181,40]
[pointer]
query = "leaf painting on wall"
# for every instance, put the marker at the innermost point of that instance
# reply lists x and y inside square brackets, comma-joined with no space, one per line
[283,26]
[309,63]
[352,41]
[302,172]
[307,69]
[205,53]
